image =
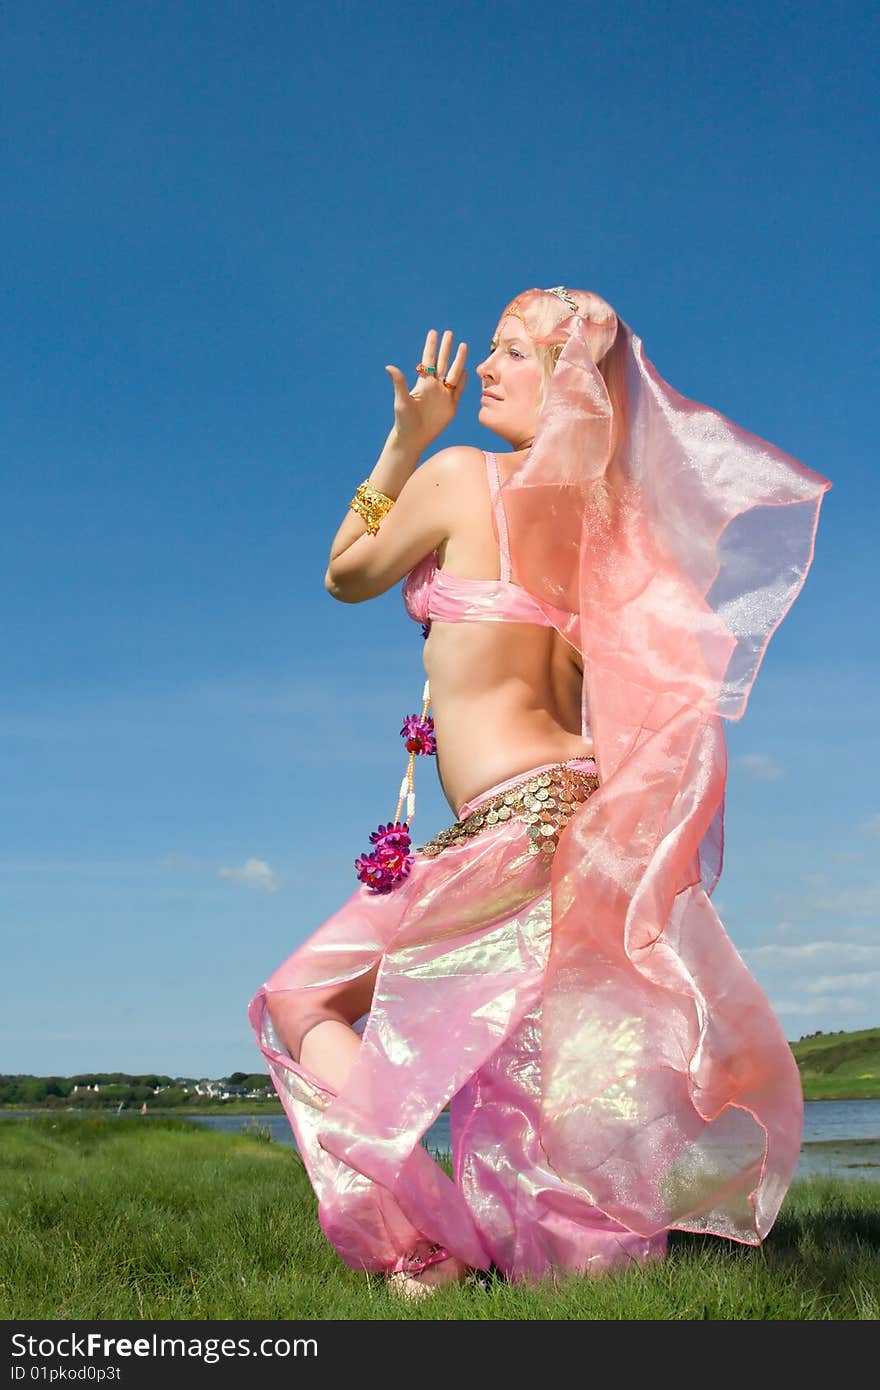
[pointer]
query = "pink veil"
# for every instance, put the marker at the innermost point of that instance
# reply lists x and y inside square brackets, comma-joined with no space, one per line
[680,541]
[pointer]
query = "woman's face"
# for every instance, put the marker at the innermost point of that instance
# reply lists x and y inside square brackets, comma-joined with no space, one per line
[511,379]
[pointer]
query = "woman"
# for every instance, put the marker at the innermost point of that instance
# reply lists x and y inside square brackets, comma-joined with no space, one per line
[593,602]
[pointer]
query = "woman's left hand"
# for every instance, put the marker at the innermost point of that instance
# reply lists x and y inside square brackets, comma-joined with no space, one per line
[423,413]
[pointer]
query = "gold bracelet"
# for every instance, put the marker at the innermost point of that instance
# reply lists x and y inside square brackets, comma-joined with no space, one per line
[371,504]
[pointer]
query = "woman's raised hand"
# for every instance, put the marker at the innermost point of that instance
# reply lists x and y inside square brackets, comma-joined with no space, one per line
[423,413]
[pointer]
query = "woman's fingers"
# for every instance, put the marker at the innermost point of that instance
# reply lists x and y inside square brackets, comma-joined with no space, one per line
[436,358]
[456,374]
[429,351]
[445,350]
[439,359]
[424,412]
[454,387]
[398,381]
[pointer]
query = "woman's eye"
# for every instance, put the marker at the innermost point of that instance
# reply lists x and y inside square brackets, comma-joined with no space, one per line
[514,353]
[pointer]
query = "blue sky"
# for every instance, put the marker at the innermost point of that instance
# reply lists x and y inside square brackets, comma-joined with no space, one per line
[221,221]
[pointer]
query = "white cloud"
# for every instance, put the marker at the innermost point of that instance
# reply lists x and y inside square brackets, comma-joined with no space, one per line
[852,900]
[830,984]
[822,984]
[760,768]
[871,826]
[859,900]
[856,931]
[836,1004]
[807,951]
[253,873]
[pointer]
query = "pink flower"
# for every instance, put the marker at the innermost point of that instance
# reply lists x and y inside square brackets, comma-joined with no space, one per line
[390,861]
[391,838]
[398,863]
[419,734]
[372,871]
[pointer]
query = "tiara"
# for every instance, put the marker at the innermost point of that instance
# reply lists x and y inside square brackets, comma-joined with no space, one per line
[562,293]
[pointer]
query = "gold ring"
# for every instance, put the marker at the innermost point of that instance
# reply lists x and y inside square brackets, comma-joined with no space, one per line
[450,385]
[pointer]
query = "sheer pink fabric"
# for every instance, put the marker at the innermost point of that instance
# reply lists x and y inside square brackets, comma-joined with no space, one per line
[612,1067]
[670,1094]
[462,947]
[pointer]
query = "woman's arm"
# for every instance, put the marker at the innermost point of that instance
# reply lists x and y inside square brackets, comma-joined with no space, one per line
[394,467]
[418,522]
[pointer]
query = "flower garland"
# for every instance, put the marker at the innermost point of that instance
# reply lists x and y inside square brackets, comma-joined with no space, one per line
[390,861]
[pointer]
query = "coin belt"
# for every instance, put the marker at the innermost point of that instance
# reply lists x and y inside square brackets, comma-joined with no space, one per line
[545,803]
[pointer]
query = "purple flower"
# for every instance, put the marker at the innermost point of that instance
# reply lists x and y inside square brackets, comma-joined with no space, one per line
[372,871]
[387,865]
[398,863]
[392,838]
[419,734]
[390,861]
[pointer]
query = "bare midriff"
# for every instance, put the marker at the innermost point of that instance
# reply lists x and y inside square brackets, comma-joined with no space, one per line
[505,697]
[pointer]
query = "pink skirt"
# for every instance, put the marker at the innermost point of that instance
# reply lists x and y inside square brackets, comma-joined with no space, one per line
[462,946]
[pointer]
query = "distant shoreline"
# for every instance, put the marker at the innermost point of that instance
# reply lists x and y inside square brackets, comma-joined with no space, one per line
[239,1107]
[836,1066]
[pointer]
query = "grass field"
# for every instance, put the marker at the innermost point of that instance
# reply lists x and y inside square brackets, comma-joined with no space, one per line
[840,1066]
[106,1218]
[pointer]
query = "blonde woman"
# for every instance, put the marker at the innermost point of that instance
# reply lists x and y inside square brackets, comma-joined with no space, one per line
[551,964]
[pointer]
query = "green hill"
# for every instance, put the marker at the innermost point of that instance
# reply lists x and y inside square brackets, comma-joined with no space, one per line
[839,1066]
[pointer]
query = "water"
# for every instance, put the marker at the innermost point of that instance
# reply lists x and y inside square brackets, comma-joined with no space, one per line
[841,1137]
[841,1119]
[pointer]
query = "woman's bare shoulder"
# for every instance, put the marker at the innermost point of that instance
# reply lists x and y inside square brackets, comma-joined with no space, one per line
[456,459]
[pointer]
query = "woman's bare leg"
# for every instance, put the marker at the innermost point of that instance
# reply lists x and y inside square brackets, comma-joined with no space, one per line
[315,1025]
[328,1051]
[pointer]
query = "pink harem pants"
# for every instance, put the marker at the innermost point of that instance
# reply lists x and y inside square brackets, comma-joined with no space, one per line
[462,946]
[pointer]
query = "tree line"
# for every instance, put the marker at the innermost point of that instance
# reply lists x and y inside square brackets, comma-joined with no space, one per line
[114,1087]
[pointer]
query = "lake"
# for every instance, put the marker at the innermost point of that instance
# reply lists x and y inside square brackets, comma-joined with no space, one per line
[841,1137]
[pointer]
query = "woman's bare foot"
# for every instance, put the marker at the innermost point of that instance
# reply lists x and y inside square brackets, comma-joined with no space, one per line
[415,1286]
[404,1285]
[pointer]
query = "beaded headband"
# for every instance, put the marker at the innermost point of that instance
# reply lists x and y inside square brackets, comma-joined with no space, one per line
[562,293]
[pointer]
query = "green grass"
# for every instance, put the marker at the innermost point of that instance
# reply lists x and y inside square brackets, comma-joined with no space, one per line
[833,1088]
[106,1218]
[840,1066]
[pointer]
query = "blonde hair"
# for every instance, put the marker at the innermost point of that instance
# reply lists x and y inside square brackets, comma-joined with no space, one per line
[542,312]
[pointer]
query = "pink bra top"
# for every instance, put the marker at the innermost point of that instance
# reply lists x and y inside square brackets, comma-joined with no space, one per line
[428,592]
